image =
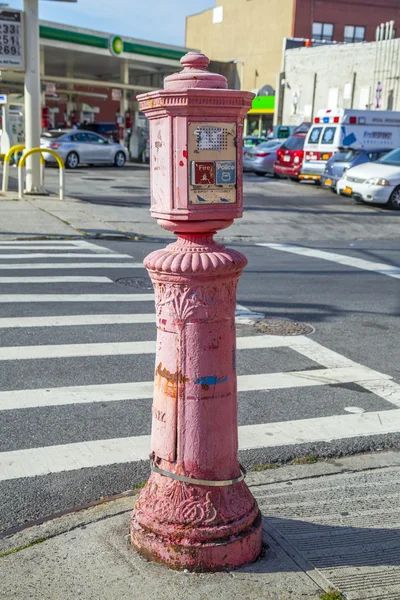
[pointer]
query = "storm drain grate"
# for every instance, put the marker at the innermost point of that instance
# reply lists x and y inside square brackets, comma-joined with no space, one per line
[141,283]
[274,326]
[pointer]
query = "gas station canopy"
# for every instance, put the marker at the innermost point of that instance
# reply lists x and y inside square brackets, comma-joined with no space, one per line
[91,58]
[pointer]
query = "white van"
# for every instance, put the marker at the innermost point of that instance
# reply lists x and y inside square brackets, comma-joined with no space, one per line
[347,128]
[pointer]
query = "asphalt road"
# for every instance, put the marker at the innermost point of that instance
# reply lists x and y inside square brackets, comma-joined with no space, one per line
[334,392]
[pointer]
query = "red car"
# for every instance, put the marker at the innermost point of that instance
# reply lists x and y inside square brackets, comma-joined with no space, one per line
[290,157]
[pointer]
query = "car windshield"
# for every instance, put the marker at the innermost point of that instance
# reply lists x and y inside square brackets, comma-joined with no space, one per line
[347,155]
[392,158]
[295,142]
[315,134]
[249,142]
[328,136]
[53,134]
[272,144]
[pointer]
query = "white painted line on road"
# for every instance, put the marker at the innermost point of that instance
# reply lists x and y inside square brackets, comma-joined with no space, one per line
[323,429]
[72,320]
[75,350]
[15,298]
[388,390]
[63,255]
[69,457]
[36,462]
[357,263]
[245,316]
[57,279]
[318,353]
[81,394]
[18,399]
[44,242]
[112,349]
[52,247]
[74,265]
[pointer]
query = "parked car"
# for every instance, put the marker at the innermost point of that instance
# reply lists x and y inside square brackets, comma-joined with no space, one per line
[250,141]
[108,130]
[347,158]
[289,157]
[76,147]
[261,158]
[378,182]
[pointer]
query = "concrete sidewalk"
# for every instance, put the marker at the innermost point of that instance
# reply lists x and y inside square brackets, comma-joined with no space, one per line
[49,217]
[328,524]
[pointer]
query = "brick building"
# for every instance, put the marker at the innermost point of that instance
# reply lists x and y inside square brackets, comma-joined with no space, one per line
[250,34]
[342,20]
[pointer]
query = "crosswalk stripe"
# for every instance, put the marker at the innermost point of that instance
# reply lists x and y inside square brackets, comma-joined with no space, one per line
[16,298]
[350,261]
[57,279]
[52,247]
[72,320]
[114,349]
[24,243]
[322,429]
[71,265]
[36,462]
[63,255]
[138,390]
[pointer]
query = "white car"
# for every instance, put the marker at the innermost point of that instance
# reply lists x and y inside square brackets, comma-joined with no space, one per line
[377,182]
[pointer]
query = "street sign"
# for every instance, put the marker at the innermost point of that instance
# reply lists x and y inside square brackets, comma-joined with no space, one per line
[12,51]
[3,98]
[116,94]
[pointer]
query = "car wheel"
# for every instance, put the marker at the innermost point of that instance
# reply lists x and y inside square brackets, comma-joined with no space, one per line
[119,159]
[72,160]
[276,175]
[296,179]
[394,200]
[259,173]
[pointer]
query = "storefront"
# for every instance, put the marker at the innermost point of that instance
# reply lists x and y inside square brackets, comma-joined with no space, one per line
[258,121]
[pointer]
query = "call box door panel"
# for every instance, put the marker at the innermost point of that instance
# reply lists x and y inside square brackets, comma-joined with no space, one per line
[212,159]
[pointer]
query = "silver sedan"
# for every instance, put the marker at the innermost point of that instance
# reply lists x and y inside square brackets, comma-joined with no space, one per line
[260,159]
[76,147]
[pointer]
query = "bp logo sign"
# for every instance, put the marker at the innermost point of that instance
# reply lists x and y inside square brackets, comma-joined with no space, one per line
[116,45]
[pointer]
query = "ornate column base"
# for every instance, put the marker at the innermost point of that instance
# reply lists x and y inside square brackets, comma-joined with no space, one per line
[197,528]
[196,512]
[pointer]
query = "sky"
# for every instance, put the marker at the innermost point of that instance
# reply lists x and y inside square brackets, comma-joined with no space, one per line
[155,20]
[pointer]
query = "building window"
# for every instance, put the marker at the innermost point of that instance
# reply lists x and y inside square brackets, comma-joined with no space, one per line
[354,33]
[322,32]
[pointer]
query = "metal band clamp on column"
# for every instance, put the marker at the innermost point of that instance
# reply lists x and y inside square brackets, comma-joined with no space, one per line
[211,483]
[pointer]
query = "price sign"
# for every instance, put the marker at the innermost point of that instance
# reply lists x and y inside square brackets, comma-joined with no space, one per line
[11,40]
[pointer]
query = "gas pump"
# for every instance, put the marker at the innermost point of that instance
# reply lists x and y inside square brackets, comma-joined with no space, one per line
[12,121]
[128,128]
[74,117]
[139,136]
[46,120]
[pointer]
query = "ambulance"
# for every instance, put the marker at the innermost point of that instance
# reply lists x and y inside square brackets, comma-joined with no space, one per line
[347,128]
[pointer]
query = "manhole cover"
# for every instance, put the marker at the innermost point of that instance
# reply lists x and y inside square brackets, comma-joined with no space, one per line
[284,327]
[142,283]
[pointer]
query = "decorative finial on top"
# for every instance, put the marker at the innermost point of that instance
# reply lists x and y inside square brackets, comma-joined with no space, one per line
[195,74]
[195,60]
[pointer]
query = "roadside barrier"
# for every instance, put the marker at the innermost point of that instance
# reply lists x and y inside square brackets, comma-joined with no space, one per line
[21,166]
[6,169]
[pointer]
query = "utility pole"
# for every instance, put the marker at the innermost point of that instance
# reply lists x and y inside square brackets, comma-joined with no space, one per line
[33,119]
